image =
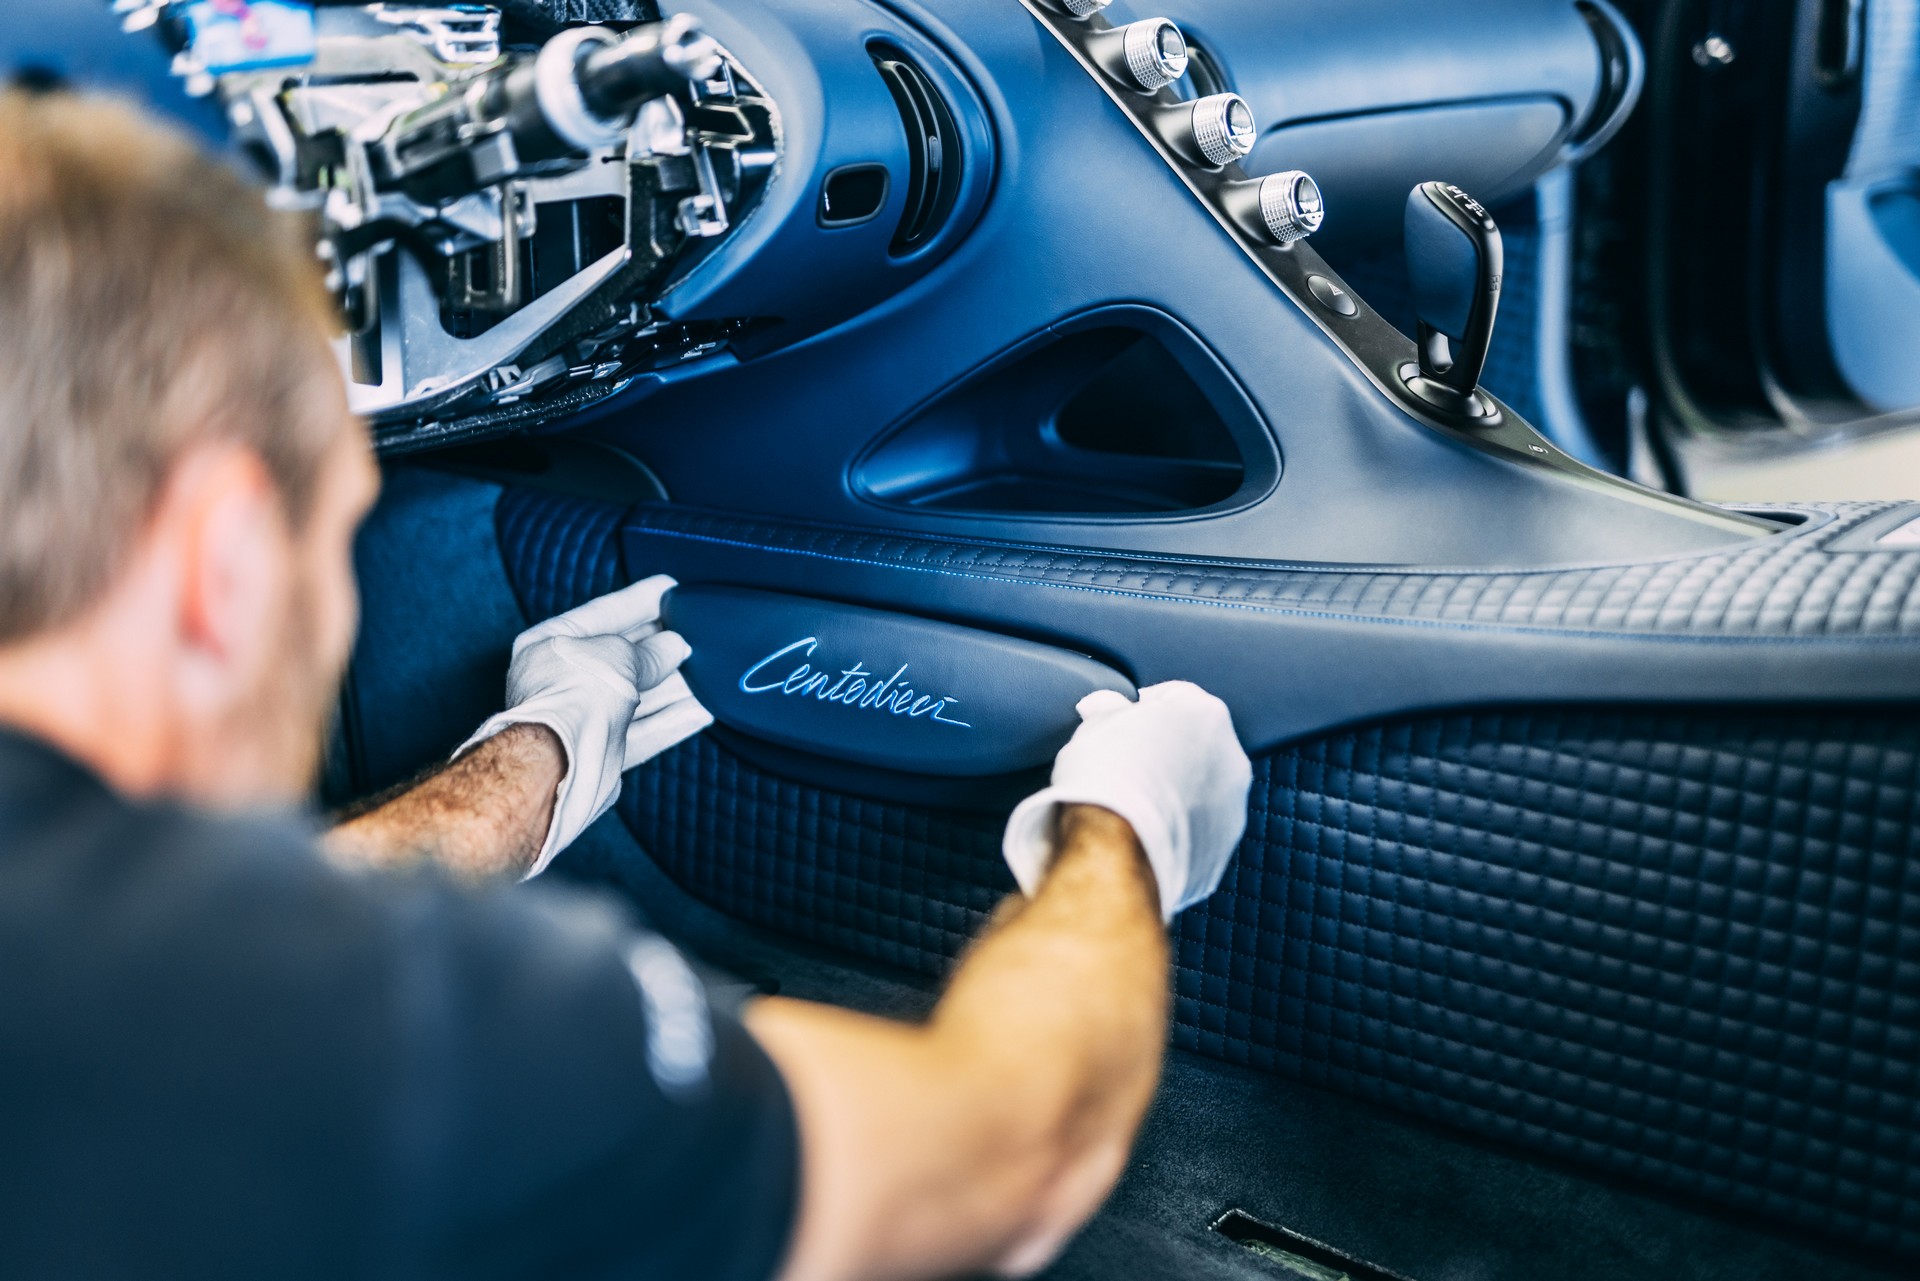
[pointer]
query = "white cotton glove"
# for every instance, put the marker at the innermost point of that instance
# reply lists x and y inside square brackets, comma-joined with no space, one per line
[605,679]
[1170,765]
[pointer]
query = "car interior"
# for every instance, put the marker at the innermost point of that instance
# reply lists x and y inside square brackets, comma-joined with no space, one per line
[1509,408]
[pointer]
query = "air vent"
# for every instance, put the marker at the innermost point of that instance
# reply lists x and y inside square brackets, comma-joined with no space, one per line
[934,153]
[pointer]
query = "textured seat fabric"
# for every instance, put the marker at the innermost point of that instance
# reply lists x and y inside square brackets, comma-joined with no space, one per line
[1680,944]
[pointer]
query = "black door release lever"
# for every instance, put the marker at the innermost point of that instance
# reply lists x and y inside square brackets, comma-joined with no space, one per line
[1454,262]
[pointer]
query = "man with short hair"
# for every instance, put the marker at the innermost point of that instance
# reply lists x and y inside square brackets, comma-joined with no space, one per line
[223,1054]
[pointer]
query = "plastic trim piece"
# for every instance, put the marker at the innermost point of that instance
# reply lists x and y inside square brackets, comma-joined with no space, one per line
[1623,74]
[936,157]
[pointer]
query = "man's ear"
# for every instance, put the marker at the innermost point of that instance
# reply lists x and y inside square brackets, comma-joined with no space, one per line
[223,517]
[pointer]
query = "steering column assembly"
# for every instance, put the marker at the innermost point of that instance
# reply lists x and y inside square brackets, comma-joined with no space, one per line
[497,222]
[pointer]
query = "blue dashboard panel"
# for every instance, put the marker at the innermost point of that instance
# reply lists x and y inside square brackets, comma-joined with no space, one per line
[1082,213]
[817,61]
[880,688]
[1364,163]
[1375,96]
[1299,60]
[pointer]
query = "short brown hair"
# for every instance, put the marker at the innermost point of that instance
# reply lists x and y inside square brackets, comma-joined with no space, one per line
[149,301]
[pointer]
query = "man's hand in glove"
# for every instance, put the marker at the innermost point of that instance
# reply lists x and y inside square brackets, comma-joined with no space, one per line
[980,1140]
[1170,765]
[605,678]
[590,694]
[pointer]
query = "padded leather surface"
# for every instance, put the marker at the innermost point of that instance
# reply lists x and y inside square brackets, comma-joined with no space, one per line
[890,882]
[1301,650]
[1790,585]
[1681,945]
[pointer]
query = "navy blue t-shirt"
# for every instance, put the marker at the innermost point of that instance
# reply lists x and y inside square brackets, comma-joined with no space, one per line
[221,1057]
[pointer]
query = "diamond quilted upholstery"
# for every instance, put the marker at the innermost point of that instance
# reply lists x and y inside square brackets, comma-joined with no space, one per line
[1684,948]
[560,552]
[898,884]
[1680,945]
[1790,585]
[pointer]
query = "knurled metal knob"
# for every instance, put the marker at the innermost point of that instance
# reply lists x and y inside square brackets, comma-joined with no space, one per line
[1291,206]
[1084,8]
[1223,128]
[1156,52]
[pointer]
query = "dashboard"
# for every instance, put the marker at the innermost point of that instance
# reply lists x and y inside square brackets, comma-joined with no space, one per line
[606,231]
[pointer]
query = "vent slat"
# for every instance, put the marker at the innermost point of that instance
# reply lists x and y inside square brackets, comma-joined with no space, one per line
[934,153]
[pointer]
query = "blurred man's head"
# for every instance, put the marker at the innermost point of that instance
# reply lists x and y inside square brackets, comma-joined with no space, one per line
[179,474]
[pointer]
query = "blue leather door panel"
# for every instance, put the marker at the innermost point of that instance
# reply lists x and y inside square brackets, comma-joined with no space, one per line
[1680,943]
[1873,220]
[1297,649]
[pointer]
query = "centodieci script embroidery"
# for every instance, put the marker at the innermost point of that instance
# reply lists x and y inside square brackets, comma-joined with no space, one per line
[856,687]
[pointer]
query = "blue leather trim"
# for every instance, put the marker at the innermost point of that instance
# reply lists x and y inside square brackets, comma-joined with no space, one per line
[879,688]
[1355,616]
[1298,650]
[1783,586]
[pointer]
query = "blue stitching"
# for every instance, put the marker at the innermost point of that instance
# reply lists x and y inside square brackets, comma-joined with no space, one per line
[1437,624]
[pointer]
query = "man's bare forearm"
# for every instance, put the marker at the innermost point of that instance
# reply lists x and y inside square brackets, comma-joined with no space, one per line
[985,1138]
[482,816]
[1093,929]
[1079,976]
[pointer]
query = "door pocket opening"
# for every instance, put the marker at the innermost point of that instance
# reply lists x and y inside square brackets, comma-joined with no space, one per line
[1106,420]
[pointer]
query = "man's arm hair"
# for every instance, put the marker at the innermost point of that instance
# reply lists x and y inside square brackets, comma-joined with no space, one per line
[482,816]
[983,1139]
